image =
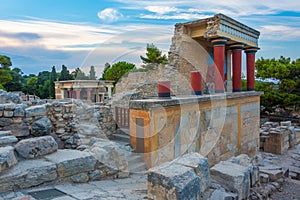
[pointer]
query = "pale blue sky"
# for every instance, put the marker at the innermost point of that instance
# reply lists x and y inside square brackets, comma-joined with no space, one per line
[38,34]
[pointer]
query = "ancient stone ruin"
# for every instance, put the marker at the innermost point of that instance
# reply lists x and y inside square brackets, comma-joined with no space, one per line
[187,122]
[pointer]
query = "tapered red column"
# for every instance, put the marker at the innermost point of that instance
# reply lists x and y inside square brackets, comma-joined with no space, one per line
[196,82]
[250,56]
[237,67]
[70,91]
[89,94]
[219,57]
[78,94]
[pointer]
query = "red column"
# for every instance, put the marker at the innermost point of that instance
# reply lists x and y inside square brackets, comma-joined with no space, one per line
[163,88]
[89,94]
[196,82]
[70,93]
[250,56]
[237,68]
[219,57]
[78,94]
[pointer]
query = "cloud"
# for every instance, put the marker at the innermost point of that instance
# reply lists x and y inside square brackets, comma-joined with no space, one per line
[161,9]
[110,15]
[280,32]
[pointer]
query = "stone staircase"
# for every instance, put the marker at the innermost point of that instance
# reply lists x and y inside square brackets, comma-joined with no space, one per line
[136,162]
[7,138]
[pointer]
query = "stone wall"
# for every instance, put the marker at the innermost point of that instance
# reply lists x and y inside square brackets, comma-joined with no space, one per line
[71,123]
[218,127]
[185,55]
[277,138]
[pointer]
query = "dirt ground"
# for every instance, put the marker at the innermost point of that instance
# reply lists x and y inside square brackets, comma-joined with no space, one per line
[290,191]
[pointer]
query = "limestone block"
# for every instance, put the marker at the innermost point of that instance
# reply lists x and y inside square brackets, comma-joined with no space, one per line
[8,113]
[200,165]
[245,161]
[8,140]
[41,127]
[26,174]
[19,111]
[110,154]
[80,178]
[72,162]
[173,181]
[7,158]
[273,173]
[35,147]
[36,111]
[8,97]
[5,121]
[286,123]
[5,133]
[234,177]
[9,106]
[89,130]
[221,194]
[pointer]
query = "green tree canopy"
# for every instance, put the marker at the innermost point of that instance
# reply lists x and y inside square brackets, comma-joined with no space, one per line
[153,57]
[5,75]
[281,82]
[78,74]
[117,70]
[65,74]
[16,84]
[5,62]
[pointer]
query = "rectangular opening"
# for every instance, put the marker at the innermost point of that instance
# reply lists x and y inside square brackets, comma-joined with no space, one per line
[46,194]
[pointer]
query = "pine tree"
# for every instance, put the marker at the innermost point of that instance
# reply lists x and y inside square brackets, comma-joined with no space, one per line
[53,78]
[153,57]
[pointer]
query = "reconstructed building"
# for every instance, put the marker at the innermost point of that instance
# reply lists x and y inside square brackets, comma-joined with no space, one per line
[219,124]
[92,90]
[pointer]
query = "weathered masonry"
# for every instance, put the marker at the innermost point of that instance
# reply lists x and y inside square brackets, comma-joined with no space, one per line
[218,125]
[220,60]
[91,90]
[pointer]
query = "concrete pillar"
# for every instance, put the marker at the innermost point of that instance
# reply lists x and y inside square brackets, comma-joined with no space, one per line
[89,94]
[250,56]
[77,93]
[237,67]
[196,82]
[163,88]
[219,59]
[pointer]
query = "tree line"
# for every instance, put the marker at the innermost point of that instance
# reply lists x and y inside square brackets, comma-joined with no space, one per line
[279,79]
[42,84]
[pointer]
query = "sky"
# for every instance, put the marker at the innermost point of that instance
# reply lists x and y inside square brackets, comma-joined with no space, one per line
[39,34]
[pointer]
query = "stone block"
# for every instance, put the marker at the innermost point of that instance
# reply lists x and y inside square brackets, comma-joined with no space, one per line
[5,121]
[36,111]
[5,133]
[8,140]
[245,161]
[234,177]
[72,162]
[9,106]
[19,111]
[274,174]
[200,165]
[8,113]
[264,178]
[80,178]
[7,158]
[27,174]
[286,123]
[173,181]
[35,147]
[41,127]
